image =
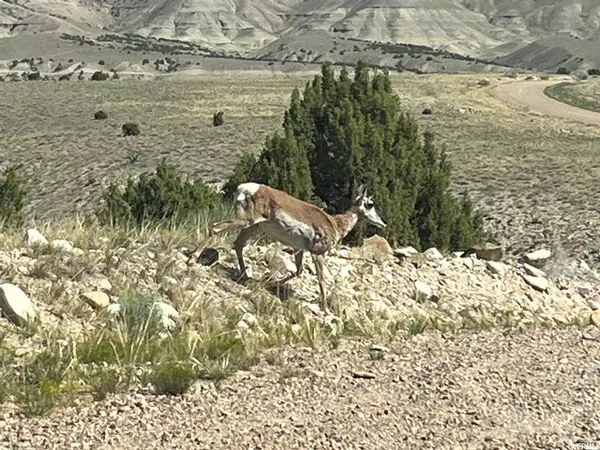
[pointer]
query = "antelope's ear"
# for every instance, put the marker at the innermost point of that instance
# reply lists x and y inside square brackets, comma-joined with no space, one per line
[360,191]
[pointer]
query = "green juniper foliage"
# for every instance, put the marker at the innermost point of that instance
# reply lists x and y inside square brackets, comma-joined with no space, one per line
[343,132]
[155,197]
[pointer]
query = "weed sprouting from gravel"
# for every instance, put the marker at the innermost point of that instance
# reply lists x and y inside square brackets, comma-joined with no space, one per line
[172,378]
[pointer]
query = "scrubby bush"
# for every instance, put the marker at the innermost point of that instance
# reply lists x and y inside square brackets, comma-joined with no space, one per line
[427,111]
[593,72]
[218,119]
[100,76]
[100,115]
[156,197]
[12,198]
[101,62]
[145,61]
[341,133]
[33,76]
[130,129]
[563,71]
[172,378]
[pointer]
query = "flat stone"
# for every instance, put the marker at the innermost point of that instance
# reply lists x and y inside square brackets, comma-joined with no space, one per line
[538,257]
[362,374]
[348,254]
[533,271]
[486,251]
[406,252]
[62,245]
[96,299]
[16,305]
[497,268]
[538,283]
[433,253]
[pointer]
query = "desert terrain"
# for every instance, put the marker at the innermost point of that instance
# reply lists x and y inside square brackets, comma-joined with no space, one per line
[114,337]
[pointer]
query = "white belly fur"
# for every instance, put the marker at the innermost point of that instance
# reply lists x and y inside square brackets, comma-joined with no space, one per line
[289,231]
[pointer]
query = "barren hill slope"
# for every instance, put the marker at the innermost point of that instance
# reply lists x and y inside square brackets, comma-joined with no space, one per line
[479,28]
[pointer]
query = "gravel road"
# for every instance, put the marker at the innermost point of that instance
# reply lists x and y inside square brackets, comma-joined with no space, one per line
[530,390]
[530,94]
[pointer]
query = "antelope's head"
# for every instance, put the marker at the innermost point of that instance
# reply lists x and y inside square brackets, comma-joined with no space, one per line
[363,205]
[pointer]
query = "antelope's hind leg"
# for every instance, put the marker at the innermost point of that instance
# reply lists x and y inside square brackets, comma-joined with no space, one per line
[240,242]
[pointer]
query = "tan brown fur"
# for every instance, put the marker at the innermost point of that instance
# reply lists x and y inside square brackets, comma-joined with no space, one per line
[303,226]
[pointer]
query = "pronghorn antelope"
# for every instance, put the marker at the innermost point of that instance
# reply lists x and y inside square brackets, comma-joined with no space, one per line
[293,222]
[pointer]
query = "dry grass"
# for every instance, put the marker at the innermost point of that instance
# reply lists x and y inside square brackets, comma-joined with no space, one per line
[584,95]
[534,177]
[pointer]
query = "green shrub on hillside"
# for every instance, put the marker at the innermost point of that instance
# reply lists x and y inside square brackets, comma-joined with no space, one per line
[343,132]
[12,198]
[156,197]
[100,76]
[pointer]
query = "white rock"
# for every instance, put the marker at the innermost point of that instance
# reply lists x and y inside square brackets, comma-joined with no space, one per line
[313,307]
[469,263]
[538,256]
[96,299]
[169,315]
[538,283]
[33,239]
[249,318]
[584,266]
[533,271]
[406,251]
[62,245]
[296,328]
[433,253]
[113,308]
[15,304]
[495,267]
[242,326]
[422,291]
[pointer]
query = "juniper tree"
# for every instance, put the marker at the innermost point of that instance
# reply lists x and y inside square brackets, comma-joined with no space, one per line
[343,132]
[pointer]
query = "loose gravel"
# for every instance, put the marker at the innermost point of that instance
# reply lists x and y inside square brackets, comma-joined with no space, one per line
[528,390]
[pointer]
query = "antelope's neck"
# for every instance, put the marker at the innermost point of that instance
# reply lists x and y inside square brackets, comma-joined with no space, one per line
[345,222]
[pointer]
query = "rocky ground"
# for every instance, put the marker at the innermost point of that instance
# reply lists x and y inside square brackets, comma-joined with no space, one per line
[532,390]
[483,351]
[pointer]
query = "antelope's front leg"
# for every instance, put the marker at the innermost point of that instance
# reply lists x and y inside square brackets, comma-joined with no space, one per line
[320,266]
[299,259]
[239,245]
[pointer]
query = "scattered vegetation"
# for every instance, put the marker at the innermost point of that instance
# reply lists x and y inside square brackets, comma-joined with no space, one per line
[218,119]
[12,198]
[581,95]
[100,115]
[162,196]
[130,129]
[100,76]
[563,71]
[344,132]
